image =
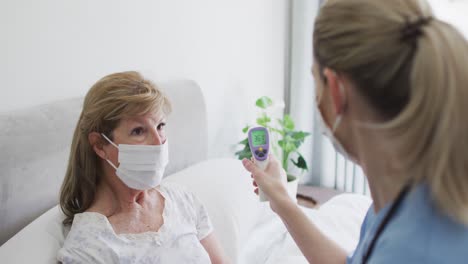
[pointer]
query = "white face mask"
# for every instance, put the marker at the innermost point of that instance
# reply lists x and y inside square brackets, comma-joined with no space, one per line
[329,133]
[141,167]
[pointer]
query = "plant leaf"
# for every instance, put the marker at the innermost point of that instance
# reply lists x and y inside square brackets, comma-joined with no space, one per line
[244,142]
[289,147]
[281,143]
[263,120]
[244,154]
[286,123]
[245,129]
[264,102]
[297,143]
[301,163]
[300,135]
[281,132]
[291,178]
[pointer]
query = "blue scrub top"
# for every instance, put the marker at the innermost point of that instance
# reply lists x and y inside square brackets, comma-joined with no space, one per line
[417,233]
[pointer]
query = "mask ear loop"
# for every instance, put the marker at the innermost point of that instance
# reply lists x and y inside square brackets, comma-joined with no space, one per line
[112,164]
[110,141]
[340,115]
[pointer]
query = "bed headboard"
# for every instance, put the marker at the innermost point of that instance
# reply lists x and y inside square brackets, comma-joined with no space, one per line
[35,146]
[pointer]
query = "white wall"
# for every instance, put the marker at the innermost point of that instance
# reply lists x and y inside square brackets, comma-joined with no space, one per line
[53,49]
[452,11]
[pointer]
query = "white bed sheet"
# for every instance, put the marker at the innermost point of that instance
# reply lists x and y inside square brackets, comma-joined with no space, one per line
[340,219]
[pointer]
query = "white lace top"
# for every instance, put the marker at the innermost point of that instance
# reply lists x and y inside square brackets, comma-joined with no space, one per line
[92,239]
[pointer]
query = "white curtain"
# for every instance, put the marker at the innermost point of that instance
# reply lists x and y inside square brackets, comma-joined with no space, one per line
[301,92]
[326,167]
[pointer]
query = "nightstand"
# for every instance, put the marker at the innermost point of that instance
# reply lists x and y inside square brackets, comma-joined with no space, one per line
[313,196]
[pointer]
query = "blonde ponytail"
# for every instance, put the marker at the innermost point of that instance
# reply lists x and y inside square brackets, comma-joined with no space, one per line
[413,69]
[437,135]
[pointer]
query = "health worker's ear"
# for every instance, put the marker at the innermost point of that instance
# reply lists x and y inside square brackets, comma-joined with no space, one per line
[337,90]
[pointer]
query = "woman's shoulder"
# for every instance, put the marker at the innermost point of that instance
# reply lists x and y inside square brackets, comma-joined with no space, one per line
[89,218]
[88,226]
[86,237]
[182,200]
[176,192]
[88,223]
[423,233]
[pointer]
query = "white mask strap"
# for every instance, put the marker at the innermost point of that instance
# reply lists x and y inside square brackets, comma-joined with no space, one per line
[110,141]
[340,115]
[342,90]
[337,123]
[110,163]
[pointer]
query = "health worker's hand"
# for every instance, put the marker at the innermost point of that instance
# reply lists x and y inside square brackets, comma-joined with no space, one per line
[272,181]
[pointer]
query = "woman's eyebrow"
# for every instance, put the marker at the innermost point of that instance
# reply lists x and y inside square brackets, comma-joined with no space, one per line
[134,121]
[144,119]
[162,119]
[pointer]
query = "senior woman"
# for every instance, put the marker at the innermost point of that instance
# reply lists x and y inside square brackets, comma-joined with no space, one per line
[392,94]
[112,193]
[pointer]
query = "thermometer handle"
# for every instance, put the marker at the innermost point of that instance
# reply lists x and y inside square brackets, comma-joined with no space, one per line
[262,165]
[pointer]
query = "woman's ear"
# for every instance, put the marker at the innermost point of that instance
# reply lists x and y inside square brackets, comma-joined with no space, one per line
[337,90]
[95,141]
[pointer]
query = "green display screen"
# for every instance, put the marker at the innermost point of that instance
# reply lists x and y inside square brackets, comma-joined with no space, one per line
[258,138]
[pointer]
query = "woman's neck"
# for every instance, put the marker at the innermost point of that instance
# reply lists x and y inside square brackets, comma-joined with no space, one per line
[380,165]
[115,197]
[384,189]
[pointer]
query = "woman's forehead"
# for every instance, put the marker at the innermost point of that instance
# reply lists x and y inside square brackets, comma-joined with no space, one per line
[149,117]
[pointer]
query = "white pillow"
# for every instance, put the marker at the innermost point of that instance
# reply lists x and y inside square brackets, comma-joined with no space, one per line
[222,185]
[38,242]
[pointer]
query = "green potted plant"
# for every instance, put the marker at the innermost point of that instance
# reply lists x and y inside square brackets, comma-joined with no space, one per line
[285,141]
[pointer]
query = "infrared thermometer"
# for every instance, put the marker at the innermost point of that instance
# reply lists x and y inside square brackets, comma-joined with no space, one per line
[259,142]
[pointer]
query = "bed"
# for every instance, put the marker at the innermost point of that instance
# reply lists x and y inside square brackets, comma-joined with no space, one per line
[35,145]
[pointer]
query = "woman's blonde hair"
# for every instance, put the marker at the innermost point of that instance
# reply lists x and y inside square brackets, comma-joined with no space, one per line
[413,69]
[112,98]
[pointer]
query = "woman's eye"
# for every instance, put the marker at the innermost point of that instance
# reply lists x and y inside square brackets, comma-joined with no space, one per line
[137,131]
[161,126]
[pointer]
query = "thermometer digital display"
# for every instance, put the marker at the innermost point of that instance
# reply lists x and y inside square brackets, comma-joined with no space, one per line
[259,142]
